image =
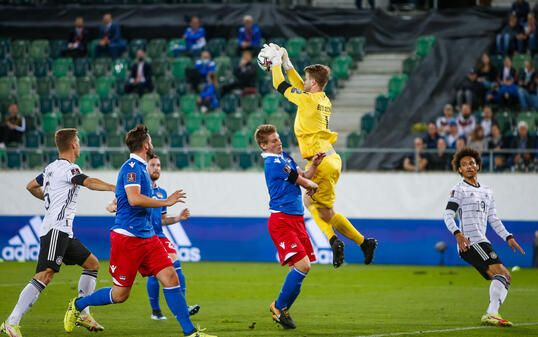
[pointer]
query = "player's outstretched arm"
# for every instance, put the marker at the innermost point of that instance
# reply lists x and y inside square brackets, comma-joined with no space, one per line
[112,206]
[96,184]
[513,244]
[34,187]
[310,186]
[169,220]
[316,160]
[293,75]
[137,199]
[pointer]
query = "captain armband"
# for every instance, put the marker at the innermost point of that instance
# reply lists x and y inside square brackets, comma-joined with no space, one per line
[283,86]
[292,178]
[79,179]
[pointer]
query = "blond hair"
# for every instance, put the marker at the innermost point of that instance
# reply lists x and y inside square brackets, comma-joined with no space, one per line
[263,132]
[64,138]
[320,73]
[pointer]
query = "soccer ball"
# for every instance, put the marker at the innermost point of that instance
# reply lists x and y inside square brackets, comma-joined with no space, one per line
[264,63]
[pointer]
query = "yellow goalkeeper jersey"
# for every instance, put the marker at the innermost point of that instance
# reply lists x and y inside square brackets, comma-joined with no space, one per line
[313,113]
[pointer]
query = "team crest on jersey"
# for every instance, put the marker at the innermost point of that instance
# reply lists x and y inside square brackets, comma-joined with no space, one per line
[132,164]
[160,195]
[288,160]
[493,255]
[296,91]
[287,169]
[122,277]
[131,177]
[277,160]
[75,171]
[59,260]
[293,245]
[452,193]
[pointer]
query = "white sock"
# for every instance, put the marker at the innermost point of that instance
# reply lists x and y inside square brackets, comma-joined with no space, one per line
[28,296]
[497,293]
[86,286]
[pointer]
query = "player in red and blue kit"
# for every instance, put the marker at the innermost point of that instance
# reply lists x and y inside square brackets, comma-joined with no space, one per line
[159,219]
[134,245]
[286,223]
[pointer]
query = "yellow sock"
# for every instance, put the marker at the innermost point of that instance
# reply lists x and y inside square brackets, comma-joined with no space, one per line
[342,225]
[322,224]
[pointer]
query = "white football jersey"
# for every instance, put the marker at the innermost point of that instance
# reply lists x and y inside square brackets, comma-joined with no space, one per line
[475,207]
[60,196]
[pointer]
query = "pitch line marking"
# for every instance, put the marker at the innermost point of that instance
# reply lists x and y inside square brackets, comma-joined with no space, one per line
[435,331]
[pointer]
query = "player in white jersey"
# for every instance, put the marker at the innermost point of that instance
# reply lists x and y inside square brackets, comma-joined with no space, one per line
[58,187]
[474,205]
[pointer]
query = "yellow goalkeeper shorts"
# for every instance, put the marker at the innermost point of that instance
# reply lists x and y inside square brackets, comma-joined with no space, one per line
[326,176]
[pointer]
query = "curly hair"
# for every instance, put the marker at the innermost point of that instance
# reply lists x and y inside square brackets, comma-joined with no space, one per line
[466,151]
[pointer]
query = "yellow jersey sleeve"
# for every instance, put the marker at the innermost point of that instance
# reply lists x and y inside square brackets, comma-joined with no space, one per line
[292,93]
[295,79]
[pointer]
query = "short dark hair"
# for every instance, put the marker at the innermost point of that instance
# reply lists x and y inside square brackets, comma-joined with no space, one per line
[466,151]
[64,138]
[320,73]
[152,156]
[136,137]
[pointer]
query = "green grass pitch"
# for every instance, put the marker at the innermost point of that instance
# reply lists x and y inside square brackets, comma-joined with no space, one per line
[354,300]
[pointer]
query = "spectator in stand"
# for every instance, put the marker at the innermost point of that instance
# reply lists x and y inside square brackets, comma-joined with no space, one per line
[493,95]
[509,94]
[440,160]
[507,71]
[471,91]
[526,163]
[250,36]
[194,39]
[460,143]
[430,140]
[13,128]
[246,76]
[140,78]
[497,142]
[511,36]
[532,98]
[77,43]
[487,120]
[110,40]
[202,68]
[466,121]
[208,99]
[443,122]
[523,141]
[452,135]
[526,81]
[409,163]
[487,73]
[477,139]
[521,9]
[530,33]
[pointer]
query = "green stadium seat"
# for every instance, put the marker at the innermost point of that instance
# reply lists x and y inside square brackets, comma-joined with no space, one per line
[281,41]
[254,120]
[107,104]
[180,159]
[97,159]
[529,118]
[46,104]
[355,47]
[241,139]
[67,104]
[118,158]
[215,121]
[39,49]
[28,104]
[33,121]
[6,86]
[216,47]
[322,59]
[169,103]
[172,43]
[111,122]
[335,46]
[6,66]
[62,67]
[234,121]
[154,121]
[35,159]
[300,63]
[120,68]
[84,85]
[14,159]
[70,121]
[159,139]
[128,104]
[19,48]
[49,141]
[286,137]
[135,46]
[163,85]
[5,45]
[518,61]
[231,47]
[81,66]
[187,103]
[265,85]
[104,85]
[224,66]
[156,49]
[295,46]
[179,65]
[396,85]
[250,103]
[22,67]
[423,45]
[160,66]
[224,160]
[50,122]
[115,138]
[199,138]
[56,48]
[381,103]
[314,46]
[173,122]
[25,85]
[101,66]
[88,104]
[270,103]
[245,160]
[229,103]
[219,139]
[90,122]
[193,121]
[33,139]
[367,123]
[43,86]
[150,103]
[177,139]
[204,160]
[355,139]
[181,86]
[340,67]
[63,86]
[132,120]
[80,161]
[279,119]
[409,64]
[289,107]
[95,139]
[42,67]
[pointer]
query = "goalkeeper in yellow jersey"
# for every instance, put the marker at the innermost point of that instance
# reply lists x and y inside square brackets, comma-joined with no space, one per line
[313,135]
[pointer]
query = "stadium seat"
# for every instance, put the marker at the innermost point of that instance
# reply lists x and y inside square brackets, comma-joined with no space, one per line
[498,60]
[150,103]
[322,59]
[101,66]
[33,139]
[270,103]
[154,121]
[299,63]
[163,85]
[81,66]
[115,138]
[169,103]
[62,67]
[120,68]
[177,139]
[42,67]
[104,85]
[287,138]
[279,119]
[6,86]
[50,122]
[314,46]
[80,161]
[224,160]
[6,66]
[295,46]
[224,66]
[340,67]
[135,45]
[219,139]
[180,159]
[132,120]
[231,47]
[107,104]
[35,159]
[14,159]
[46,104]
[118,158]
[128,104]
[423,45]
[355,139]
[241,140]
[193,121]
[396,85]
[216,47]
[409,64]
[335,46]
[156,49]
[5,45]
[181,86]
[245,159]
[48,139]
[43,86]
[289,107]
[355,47]
[215,121]
[88,104]
[173,122]
[63,86]
[56,48]
[83,85]
[97,159]
[95,139]
[254,120]
[204,160]
[250,103]
[159,139]
[67,104]
[199,138]
[39,49]
[234,121]
[518,61]
[187,104]
[19,48]
[160,66]
[367,123]
[281,41]
[529,118]
[265,85]
[229,103]
[172,43]
[381,103]
[179,65]
[22,67]
[70,121]
[90,122]
[111,122]
[28,104]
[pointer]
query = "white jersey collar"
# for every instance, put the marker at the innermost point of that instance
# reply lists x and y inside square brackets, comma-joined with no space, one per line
[267,154]
[137,157]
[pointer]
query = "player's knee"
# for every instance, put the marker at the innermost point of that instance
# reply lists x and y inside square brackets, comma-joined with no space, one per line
[306,268]
[507,276]
[120,297]
[45,276]
[91,263]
